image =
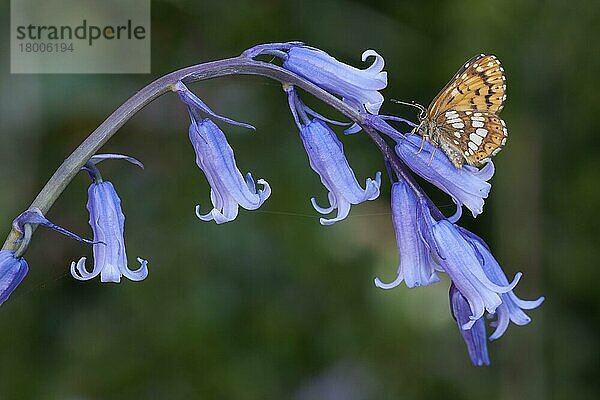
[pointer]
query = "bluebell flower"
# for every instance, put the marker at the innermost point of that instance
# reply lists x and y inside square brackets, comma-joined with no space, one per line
[455,255]
[326,156]
[512,306]
[107,222]
[417,267]
[358,87]
[475,338]
[466,186]
[12,272]
[463,264]
[429,242]
[215,157]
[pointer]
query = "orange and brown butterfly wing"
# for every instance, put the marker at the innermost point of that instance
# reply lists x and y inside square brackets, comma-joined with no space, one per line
[479,85]
[476,135]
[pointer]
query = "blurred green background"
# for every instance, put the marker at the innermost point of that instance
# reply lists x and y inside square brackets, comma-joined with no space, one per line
[274,305]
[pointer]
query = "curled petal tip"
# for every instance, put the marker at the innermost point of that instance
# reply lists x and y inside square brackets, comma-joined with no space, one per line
[327,222]
[454,218]
[204,217]
[516,280]
[390,285]
[79,271]
[265,192]
[139,274]
[318,208]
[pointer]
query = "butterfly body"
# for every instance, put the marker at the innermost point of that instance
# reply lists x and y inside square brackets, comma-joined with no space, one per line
[463,120]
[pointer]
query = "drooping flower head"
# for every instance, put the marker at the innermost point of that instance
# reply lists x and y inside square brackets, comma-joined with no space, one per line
[467,186]
[357,87]
[326,156]
[428,242]
[417,267]
[463,264]
[214,156]
[107,222]
[512,306]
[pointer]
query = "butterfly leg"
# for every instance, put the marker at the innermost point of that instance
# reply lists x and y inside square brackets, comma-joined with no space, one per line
[432,154]
[425,137]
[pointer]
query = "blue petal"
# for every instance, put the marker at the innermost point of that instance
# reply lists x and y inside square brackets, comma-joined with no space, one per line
[512,307]
[460,260]
[229,189]
[475,337]
[357,87]
[467,185]
[12,272]
[416,266]
[107,222]
[326,156]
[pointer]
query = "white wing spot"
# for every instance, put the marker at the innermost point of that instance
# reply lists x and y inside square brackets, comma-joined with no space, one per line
[496,151]
[477,114]
[473,146]
[453,121]
[503,141]
[457,134]
[479,69]
[481,132]
[475,138]
[477,124]
[475,118]
[455,141]
[458,125]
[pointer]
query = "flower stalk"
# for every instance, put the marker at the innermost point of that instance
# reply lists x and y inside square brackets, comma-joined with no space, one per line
[428,241]
[241,65]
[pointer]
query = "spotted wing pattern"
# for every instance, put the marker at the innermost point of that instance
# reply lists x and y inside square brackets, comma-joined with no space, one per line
[476,136]
[463,118]
[479,85]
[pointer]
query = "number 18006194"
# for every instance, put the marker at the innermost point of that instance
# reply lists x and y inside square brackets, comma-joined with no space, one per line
[35,47]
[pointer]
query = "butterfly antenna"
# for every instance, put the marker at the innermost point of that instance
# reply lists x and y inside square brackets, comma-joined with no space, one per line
[412,104]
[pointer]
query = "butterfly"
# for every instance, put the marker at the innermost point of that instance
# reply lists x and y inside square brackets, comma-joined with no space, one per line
[463,118]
